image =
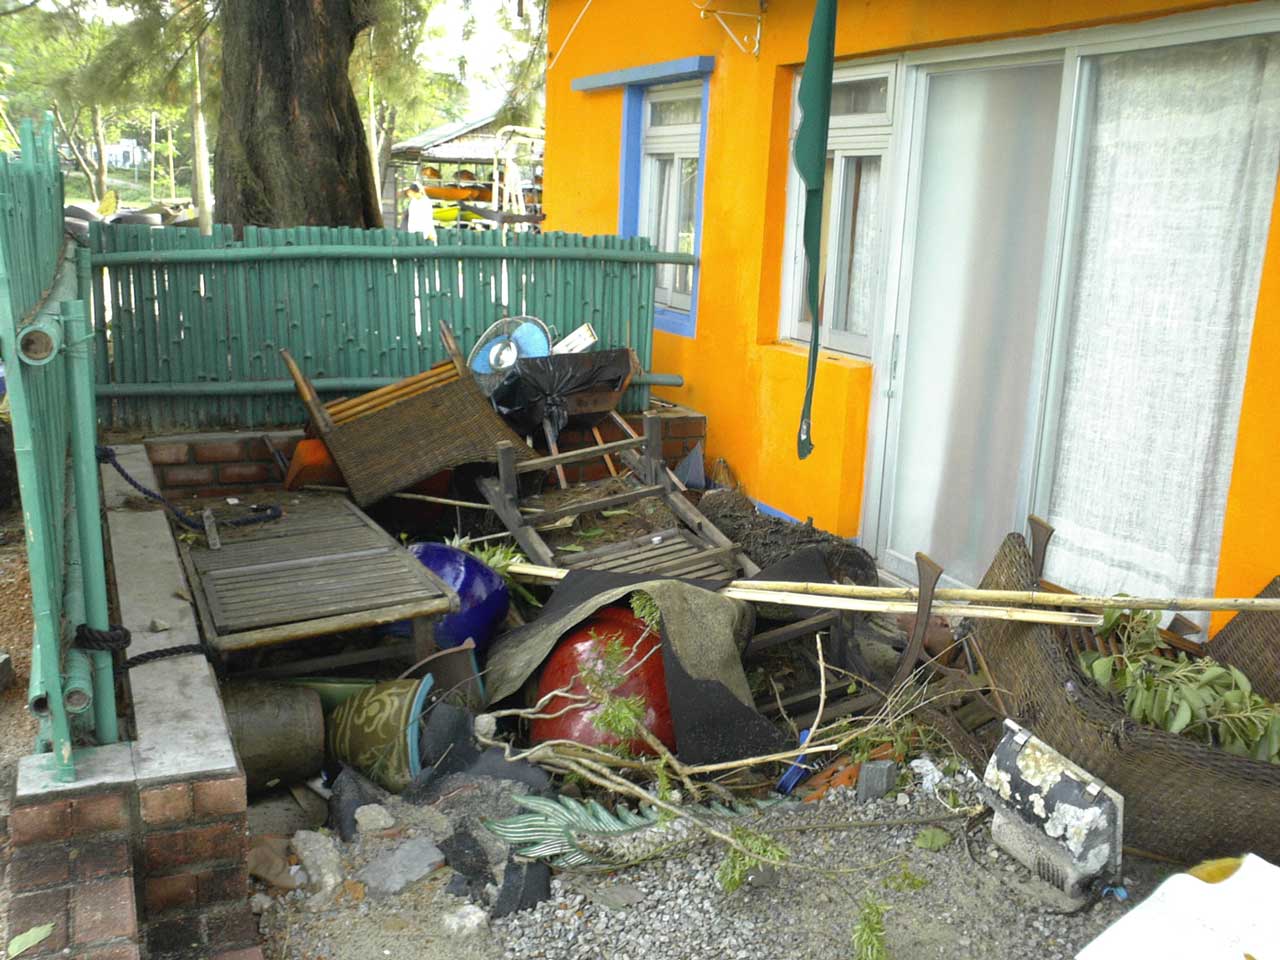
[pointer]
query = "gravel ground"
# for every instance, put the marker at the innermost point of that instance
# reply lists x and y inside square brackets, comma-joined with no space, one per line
[954,904]
[17,728]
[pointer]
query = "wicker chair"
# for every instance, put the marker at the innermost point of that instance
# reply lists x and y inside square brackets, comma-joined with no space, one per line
[1183,799]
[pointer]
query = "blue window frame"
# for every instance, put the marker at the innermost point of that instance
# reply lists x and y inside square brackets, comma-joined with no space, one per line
[660,162]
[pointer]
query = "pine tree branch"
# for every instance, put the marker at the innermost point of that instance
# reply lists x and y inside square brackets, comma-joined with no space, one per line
[9,11]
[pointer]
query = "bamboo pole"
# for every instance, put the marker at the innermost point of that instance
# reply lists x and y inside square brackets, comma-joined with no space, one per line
[1040,598]
[798,598]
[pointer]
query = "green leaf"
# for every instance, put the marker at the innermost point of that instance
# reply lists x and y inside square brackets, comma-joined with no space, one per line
[1102,669]
[1241,681]
[592,533]
[572,548]
[1181,717]
[616,513]
[933,838]
[25,941]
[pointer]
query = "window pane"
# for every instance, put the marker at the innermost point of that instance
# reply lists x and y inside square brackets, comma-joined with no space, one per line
[669,113]
[860,234]
[685,222]
[661,220]
[869,95]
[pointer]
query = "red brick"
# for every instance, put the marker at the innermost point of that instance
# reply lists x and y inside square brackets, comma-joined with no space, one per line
[40,823]
[41,866]
[246,473]
[168,851]
[90,861]
[672,449]
[36,909]
[236,927]
[218,451]
[168,804]
[121,951]
[101,814]
[227,883]
[219,798]
[168,454]
[248,953]
[685,427]
[169,893]
[188,476]
[104,910]
[255,449]
[179,939]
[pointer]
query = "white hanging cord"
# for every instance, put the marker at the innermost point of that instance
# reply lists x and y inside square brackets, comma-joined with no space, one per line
[564,43]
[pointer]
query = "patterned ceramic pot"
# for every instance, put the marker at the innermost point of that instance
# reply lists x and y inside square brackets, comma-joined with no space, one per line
[376,731]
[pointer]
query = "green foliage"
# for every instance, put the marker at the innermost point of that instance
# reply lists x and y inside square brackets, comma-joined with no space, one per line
[906,881]
[737,865]
[620,716]
[1201,698]
[646,608]
[869,931]
[933,839]
[499,556]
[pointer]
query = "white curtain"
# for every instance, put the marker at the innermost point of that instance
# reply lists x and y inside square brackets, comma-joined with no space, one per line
[1180,154]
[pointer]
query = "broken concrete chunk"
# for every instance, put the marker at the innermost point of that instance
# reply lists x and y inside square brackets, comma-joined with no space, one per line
[320,858]
[158,626]
[260,903]
[373,817]
[466,921]
[876,779]
[408,863]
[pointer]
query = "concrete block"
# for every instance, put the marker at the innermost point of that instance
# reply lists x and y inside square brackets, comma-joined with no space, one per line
[876,779]
[409,862]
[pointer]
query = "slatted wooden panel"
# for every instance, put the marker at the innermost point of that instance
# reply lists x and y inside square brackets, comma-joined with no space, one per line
[323,559]
[212,322]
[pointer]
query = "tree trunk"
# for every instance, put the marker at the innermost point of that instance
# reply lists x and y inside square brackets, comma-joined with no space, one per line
[292,149]
[201,184]
[152,146]
[100,144]
[78,153]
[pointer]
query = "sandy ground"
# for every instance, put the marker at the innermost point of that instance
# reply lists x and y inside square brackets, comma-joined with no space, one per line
[17,728]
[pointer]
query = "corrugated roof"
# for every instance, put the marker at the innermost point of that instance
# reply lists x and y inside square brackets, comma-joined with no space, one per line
[438,136]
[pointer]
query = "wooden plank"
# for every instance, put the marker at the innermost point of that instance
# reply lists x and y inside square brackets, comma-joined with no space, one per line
[301,630]
[594,506]
[530,542]
[577,456]
[769,639]
[236,618]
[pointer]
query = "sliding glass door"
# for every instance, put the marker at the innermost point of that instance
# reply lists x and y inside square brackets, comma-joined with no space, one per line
[1077,292]
[978,244]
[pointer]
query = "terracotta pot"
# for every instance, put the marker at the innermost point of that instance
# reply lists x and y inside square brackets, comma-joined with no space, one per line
[584,649]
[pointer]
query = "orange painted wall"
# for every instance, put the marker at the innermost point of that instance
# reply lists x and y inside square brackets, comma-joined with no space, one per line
[735,370]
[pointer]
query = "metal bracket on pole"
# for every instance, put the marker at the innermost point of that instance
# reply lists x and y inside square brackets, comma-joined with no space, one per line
[746,43]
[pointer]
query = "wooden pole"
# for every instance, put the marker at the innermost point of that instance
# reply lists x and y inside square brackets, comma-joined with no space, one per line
[737,590]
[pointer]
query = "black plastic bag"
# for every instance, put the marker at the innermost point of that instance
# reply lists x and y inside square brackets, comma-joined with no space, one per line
[540,388]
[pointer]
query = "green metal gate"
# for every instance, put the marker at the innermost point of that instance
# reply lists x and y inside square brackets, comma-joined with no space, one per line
[46,345]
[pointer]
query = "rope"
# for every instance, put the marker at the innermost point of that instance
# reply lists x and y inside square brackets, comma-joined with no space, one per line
[191,522]
[116,637]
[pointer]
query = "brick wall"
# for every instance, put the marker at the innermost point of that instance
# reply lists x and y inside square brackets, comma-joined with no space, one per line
[682,429]
[156,872]
[217,464]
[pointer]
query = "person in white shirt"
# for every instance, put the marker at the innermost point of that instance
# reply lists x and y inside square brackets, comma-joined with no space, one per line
[419,215]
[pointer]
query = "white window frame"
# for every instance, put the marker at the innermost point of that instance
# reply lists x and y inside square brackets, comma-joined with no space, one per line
[676,142]
[901,193]
[849,136]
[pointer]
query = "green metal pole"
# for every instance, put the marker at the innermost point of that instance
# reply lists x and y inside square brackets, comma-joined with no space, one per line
[344,252]
[236,388]
[84,460]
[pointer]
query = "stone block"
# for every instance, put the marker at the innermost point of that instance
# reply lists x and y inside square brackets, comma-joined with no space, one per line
[168,454]
[408,863]
[876,779]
